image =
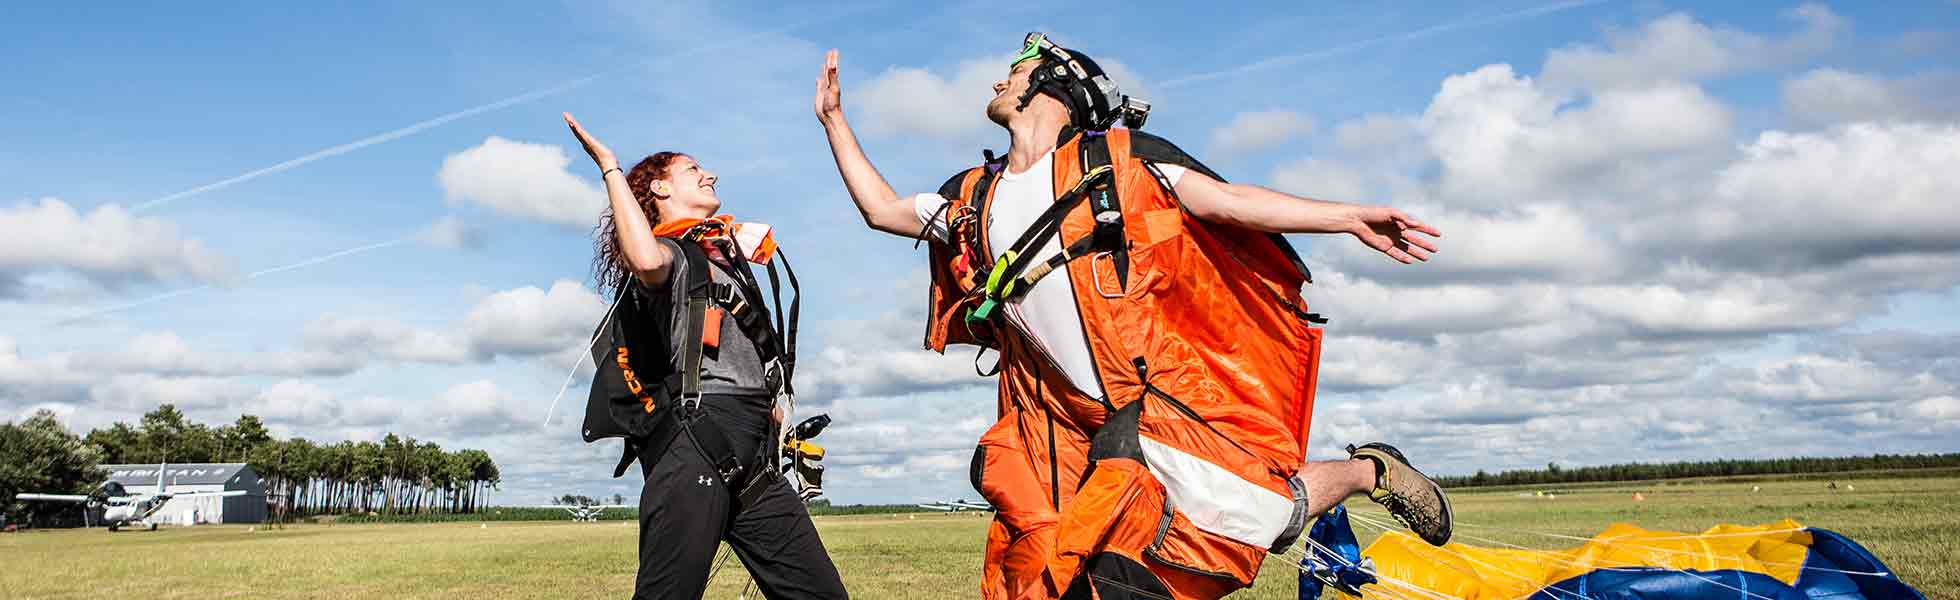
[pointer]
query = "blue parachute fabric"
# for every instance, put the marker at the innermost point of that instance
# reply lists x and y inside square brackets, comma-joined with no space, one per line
[1835,568]
[1342,568]
[1837,565]
[1654,583]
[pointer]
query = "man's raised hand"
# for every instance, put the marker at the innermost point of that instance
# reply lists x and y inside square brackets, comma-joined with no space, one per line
[829,102]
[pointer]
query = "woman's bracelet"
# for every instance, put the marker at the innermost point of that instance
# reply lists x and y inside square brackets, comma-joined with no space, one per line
[606,172]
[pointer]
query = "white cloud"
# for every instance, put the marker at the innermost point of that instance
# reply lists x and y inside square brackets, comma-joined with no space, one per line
[1394,139]
[521,180]
[133,394]
[164,353]
[1353,362]
[519,322]
[1828,96]
[1942,410]
[474,406]
[17,370]
[450,232]
[528,320]
[1525,241]
[916,101]
[1258,130]
[1317,178]
[108,246]
[1812,379]
[1826,198]
[385,338]
[1676,47]
[882,357]
[1501,138]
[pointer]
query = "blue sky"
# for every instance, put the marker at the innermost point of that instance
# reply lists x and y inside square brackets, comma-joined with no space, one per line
[1635,266]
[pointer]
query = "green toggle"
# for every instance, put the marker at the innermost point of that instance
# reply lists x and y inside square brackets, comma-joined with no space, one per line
[982,312]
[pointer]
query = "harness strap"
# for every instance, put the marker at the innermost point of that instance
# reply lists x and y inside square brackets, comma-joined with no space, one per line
[787,329]
[690,373]
[1107,209]
[1005,280]
[971,250]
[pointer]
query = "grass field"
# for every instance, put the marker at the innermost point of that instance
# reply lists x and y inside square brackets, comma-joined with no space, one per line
[1911,524]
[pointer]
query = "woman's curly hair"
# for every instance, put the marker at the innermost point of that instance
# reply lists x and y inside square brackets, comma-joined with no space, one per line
[608,267]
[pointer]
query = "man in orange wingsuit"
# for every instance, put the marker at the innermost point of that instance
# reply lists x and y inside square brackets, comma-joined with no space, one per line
[1157,363]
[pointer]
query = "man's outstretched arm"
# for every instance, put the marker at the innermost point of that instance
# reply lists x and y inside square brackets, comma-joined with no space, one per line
[883,209]
[1385,229]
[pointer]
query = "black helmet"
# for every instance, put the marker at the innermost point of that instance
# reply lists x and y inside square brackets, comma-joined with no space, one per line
[1094,102]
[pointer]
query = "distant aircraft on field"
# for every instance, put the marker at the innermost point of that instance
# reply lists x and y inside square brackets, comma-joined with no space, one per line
[582,512]
[123,509]
[957,506]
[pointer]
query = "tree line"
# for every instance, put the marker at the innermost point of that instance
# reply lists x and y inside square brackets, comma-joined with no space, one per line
[1552,473]
[397,475]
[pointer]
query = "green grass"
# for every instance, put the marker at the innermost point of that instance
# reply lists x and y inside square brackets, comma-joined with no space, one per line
[1911,524]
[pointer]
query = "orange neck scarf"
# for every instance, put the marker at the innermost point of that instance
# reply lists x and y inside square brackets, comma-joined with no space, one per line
[755,239]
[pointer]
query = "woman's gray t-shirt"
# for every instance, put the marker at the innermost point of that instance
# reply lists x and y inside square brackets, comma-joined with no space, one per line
[732,368]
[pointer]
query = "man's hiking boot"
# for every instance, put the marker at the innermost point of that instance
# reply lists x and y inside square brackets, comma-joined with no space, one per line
[1411,496]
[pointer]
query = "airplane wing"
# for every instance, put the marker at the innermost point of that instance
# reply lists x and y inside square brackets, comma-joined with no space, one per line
[52,497]
[576,506]
[226,493]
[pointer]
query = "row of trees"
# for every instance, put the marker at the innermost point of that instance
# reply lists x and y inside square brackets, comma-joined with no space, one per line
[1552,473]
[39,455]
[395,475]
[583,500]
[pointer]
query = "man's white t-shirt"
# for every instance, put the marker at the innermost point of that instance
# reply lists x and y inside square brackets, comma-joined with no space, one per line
[1047,312]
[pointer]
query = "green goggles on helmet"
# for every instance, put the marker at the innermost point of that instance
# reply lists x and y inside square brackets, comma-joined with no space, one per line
[1036,44]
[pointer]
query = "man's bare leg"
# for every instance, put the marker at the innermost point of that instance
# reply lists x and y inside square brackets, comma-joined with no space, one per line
[1329,482]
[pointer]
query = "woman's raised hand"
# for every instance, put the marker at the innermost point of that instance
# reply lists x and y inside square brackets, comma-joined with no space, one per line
[599,152]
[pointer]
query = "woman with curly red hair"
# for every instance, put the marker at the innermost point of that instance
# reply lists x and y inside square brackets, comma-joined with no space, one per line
[704,445]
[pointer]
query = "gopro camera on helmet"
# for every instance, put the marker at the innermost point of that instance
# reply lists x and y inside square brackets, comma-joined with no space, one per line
[1133,111]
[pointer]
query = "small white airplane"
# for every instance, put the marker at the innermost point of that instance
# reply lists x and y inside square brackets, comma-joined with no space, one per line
[583,512]
[957,506]
[123,509]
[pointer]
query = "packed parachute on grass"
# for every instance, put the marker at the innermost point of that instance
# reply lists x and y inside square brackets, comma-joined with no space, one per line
[1783,560]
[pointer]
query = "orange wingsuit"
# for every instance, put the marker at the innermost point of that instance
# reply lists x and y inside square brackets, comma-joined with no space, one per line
[1181,477]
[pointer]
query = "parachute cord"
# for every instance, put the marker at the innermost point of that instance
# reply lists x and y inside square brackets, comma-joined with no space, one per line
[1384,586]
[1386,529]
[1537,585]
[720,557]
[1389,528]
[587,349]
[1656,548]
[1384,579]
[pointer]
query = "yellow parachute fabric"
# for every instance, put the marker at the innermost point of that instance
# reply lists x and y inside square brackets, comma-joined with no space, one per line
[1473,572]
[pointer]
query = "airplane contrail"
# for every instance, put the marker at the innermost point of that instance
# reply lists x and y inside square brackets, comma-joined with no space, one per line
[473,111]
[247,277]
[1378,40]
